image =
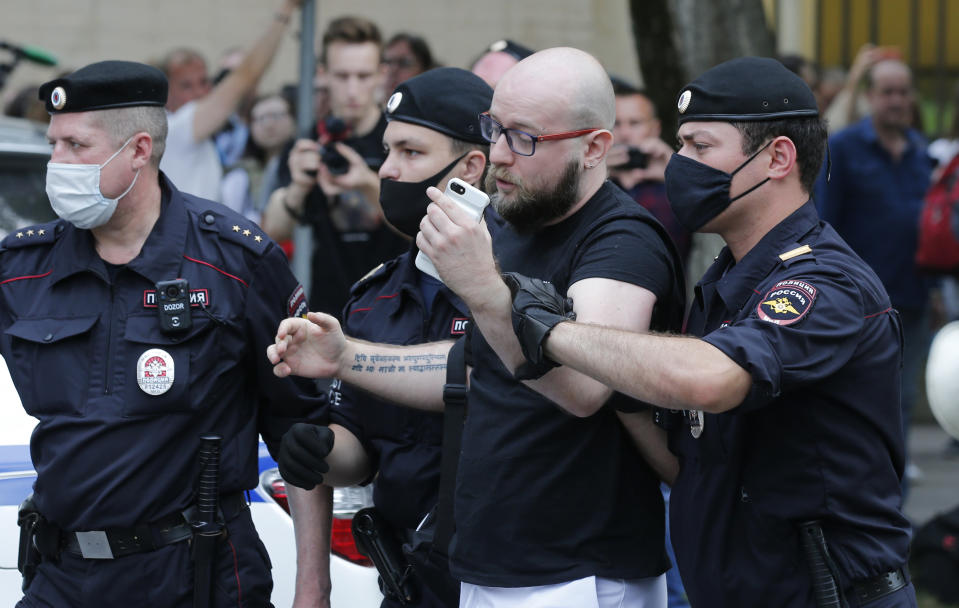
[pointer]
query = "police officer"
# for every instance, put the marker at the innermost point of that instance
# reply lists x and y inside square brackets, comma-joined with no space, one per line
[132,325]
[431,136]
[790,440]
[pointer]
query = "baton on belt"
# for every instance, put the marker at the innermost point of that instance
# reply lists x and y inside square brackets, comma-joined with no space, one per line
[206,529]
[822,569]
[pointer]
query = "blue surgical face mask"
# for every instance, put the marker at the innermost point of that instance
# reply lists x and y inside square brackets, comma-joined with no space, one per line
[697,192]
[74,191]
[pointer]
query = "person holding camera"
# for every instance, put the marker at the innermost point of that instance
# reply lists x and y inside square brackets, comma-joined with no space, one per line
[133,325]
[331,182]
[783,402]
[554,502]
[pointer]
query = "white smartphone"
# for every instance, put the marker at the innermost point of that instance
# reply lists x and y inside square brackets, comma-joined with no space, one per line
[470,199]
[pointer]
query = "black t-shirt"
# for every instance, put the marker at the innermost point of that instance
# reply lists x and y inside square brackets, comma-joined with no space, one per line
[542,496]
[342,257]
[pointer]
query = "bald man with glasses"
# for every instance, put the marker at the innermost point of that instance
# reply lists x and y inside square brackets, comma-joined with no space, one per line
[555,504]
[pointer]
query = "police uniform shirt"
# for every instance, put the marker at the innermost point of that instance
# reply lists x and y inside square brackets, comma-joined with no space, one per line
[404,444]
[817,438]
[121,405]
[542,496]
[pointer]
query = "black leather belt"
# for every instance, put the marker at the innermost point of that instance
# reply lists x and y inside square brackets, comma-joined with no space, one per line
[879,586]
[118,542]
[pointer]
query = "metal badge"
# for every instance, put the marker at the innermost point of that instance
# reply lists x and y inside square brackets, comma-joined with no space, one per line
[395,100]
[696,421]
[684,100]
[155,371]
[58,98]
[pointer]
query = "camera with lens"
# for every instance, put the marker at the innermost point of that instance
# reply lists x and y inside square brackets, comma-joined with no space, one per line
[637,159]
[333,130]
[173,305]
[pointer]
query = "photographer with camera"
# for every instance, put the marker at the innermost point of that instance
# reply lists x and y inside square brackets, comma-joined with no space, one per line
[331,183]
[637,160]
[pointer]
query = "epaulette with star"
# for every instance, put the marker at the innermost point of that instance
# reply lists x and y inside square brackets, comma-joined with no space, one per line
[240,231]
[41,234]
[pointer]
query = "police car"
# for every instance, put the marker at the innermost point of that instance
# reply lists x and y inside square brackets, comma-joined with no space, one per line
[24,153]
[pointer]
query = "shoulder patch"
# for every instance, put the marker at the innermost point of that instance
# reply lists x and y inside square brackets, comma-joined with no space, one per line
[236,230]
[787,302]
[296,305]
[42,234]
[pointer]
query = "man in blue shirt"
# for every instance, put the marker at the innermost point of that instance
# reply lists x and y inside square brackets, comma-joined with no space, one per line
[879,175]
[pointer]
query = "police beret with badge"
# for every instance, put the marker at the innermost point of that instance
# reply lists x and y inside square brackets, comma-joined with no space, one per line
[746,89]
[513,49]
[447,100]
[104,85]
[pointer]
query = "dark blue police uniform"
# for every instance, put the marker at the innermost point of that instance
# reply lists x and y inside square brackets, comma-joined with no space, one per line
[404,445]
[81,339]
[819,436]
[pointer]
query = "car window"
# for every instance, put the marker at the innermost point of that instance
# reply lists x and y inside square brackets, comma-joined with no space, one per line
[24,153]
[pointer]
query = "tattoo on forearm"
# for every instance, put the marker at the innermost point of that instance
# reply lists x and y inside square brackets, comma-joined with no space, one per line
[398,364]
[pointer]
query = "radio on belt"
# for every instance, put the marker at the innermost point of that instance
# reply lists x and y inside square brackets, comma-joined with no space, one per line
[173,304]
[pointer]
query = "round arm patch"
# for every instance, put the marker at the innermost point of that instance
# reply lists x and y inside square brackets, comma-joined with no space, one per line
[787,302]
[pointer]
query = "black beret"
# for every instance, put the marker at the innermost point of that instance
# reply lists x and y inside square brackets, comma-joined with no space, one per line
[448,100]
[746,89]
[103,85]
[513,49]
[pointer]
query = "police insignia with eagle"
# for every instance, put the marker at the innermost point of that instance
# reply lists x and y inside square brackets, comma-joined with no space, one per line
[787,302]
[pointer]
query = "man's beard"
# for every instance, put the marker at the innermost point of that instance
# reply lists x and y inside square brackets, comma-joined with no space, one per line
[531,209]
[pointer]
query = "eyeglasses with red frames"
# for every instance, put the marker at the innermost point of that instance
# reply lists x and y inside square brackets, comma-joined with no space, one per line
[521,142]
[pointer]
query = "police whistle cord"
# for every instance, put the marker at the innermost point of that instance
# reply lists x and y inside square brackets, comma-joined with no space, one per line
[206,530]
[821,567]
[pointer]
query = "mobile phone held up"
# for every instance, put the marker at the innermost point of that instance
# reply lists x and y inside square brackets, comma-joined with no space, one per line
[471,200]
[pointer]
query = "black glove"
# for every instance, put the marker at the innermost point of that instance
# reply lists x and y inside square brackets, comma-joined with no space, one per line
[537,308]
[302,459]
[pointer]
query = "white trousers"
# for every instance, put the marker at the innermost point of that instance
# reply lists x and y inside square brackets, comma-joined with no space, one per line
[589,592]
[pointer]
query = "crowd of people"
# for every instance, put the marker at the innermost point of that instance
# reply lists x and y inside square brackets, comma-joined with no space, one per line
[713,333]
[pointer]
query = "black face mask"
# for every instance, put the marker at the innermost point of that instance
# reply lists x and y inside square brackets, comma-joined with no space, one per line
[697,192]
[404,203]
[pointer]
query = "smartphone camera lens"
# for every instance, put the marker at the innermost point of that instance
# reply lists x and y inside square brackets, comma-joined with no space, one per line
[458,188]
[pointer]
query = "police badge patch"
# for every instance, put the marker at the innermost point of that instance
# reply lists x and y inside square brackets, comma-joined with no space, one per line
[787,302]
[155,371]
